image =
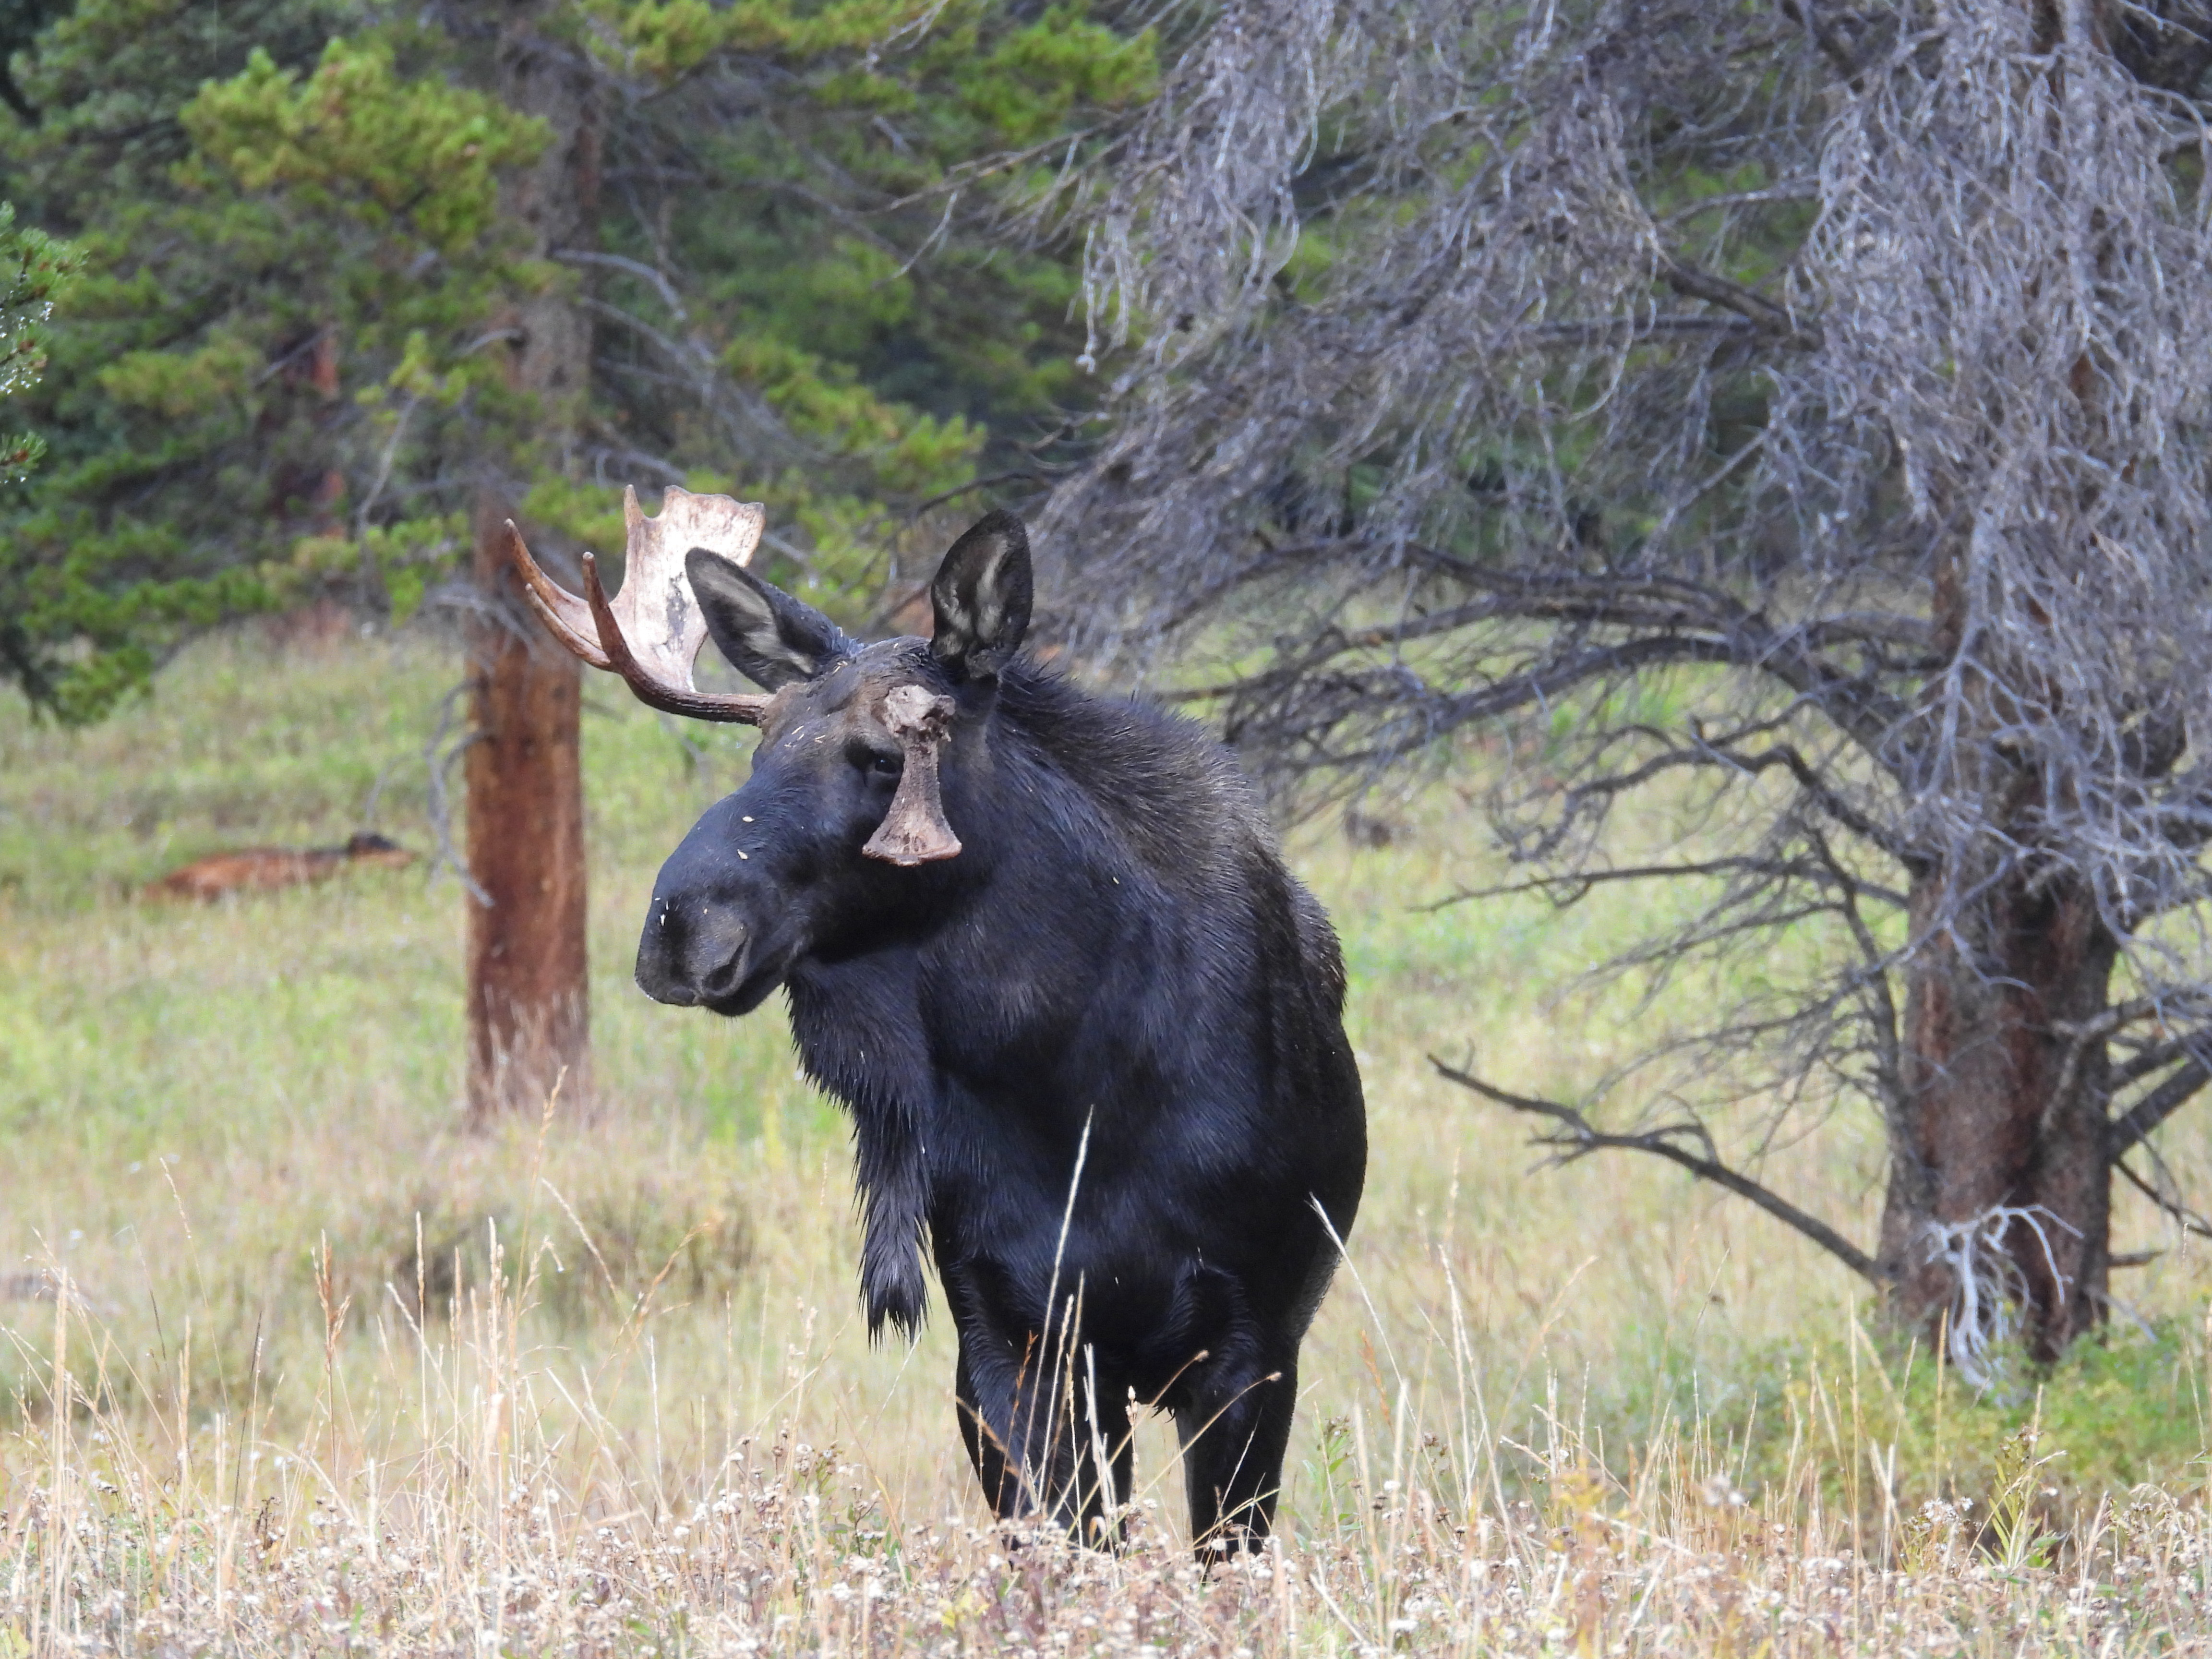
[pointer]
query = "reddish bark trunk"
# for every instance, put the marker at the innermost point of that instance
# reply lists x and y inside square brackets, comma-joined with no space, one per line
[2004,1109]
[528,998]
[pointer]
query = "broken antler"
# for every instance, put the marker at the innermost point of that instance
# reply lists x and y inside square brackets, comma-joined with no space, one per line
[914,831]
[650,633]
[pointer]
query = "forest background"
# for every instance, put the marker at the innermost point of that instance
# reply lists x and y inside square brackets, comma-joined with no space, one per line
[286,368]
[353,280]
[360,287]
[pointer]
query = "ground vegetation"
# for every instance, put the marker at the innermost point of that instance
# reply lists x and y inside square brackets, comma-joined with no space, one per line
[561,1387]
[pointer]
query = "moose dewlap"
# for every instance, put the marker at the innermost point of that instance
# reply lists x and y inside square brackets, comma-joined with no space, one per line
[1042,946]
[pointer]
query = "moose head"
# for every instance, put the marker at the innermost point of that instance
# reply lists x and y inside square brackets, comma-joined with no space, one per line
[825,847]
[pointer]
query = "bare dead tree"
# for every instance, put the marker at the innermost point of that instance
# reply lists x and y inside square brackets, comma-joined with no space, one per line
[1798,410]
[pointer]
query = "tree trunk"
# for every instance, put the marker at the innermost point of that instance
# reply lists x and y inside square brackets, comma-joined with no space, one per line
[528,994]
[529,1008]
[2000,1167]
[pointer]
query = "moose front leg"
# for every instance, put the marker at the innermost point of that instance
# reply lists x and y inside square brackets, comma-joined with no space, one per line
[1045,1438]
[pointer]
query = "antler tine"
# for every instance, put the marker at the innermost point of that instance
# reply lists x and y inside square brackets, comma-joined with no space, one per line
[654,693]
[567,617]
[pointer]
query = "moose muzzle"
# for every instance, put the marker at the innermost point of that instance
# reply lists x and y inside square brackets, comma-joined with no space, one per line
[693,953]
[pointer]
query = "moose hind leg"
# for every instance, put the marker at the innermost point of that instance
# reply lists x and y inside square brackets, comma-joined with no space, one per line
[1233,1446]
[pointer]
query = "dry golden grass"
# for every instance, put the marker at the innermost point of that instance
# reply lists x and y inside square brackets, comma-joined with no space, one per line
[291,1364]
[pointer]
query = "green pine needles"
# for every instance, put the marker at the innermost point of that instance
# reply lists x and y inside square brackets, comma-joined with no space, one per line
[288,368]
[34,268]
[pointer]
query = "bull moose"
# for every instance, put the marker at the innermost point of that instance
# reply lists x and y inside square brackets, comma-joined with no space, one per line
[1042,946]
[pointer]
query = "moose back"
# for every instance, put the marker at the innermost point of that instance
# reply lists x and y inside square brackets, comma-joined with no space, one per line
[1042,946]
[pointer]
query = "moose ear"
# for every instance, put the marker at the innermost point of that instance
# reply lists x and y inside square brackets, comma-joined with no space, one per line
[770,637]
[981,597]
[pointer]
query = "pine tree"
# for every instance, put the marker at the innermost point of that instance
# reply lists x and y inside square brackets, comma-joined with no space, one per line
[34,269]
[362,287]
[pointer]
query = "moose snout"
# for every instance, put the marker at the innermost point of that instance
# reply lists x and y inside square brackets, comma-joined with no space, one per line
[692,952]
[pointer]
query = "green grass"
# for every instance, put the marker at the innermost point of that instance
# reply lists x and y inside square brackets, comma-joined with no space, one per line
[236,1129]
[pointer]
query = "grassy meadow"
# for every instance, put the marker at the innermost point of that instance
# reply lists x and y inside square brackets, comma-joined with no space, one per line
[290,1363]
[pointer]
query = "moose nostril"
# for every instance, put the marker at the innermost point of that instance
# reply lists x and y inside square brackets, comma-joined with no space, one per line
[726,973]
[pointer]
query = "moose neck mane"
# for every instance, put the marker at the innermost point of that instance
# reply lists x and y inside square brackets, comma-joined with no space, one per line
[1159,781]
